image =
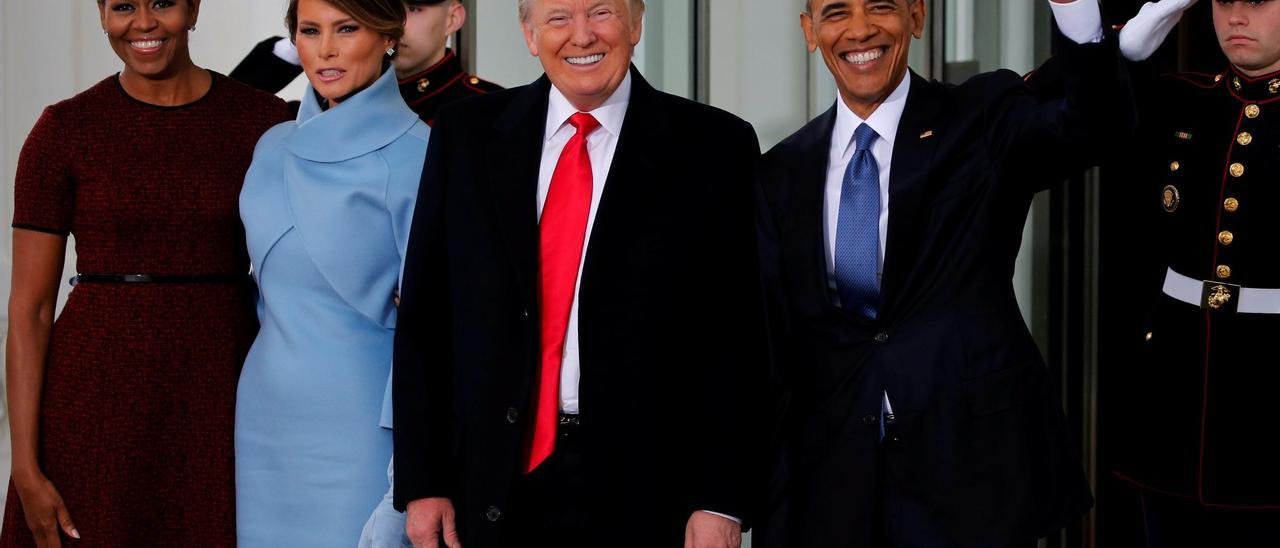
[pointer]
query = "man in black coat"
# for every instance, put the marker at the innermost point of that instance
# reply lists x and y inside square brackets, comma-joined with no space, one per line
[921,412]
[530,411]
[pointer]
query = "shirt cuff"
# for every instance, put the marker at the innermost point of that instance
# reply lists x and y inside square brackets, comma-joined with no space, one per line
[725,516]
[287,52]
[1081,20]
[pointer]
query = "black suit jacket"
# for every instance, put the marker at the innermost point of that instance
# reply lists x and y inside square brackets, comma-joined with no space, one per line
[981,434]
[671,328]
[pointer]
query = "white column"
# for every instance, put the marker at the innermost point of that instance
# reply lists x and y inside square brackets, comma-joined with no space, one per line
[759,67]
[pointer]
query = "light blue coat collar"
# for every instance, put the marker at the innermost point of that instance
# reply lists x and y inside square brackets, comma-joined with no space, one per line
[366,122]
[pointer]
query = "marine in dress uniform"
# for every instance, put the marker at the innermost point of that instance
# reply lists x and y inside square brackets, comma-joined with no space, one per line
[1194,431]
[425,92]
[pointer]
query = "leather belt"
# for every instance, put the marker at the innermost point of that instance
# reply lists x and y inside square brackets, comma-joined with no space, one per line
[154,279]
[1221,296]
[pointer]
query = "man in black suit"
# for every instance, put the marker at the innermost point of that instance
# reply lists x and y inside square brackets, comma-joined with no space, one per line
[921,413]
[581,331]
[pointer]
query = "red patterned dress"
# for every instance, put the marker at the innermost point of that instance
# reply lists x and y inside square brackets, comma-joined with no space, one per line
[140,383]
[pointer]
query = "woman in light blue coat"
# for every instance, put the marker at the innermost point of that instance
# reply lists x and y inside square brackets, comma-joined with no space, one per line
[326,207]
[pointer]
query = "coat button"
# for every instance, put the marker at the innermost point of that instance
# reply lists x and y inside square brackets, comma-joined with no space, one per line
[1224,272]
[512,415]
[1237,170]
[526,313]
[1231,205]
[1174,166]
[1252,111]
[869,419]
[882,337]
[1150,335]
[1226,237]
[493,513]
[1244,138]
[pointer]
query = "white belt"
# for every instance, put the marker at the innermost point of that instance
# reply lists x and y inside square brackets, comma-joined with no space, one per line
[1221,296]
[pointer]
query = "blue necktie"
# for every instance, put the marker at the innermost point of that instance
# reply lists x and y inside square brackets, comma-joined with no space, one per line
[858,229]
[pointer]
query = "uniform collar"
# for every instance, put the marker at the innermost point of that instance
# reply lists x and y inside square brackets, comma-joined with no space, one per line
[1253,89]
[368,121]
[435,78]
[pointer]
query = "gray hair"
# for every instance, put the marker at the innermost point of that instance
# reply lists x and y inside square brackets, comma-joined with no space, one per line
[523,8]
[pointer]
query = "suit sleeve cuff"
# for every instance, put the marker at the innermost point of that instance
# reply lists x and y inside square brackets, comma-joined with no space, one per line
[1080,20]
[725,516]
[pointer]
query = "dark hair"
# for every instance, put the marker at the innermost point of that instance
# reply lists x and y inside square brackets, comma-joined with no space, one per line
[808,5]
[385,17]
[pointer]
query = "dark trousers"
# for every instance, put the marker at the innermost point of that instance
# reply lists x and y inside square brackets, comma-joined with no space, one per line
[1173,522]
[903,521]
[549,506]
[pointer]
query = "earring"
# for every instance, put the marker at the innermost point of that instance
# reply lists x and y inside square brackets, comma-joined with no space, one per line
[192,28]
[391,52]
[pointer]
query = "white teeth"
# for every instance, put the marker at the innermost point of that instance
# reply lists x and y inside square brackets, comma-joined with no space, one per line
[861,58]
[147,44]
[330,72]
[587,60]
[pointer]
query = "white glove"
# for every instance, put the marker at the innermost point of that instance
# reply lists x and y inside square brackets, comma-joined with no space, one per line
[1146,31]
[286,51]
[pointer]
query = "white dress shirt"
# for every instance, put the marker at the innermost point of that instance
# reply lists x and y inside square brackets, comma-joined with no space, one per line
[601,145]
[1080,21]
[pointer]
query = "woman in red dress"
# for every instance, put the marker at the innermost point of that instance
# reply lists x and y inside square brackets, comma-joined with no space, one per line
[122,411]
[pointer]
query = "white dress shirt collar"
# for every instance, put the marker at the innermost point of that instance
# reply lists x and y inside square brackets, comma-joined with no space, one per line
[611,114]
[884,120]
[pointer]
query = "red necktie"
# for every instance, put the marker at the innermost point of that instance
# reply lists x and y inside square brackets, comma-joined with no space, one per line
[562,232]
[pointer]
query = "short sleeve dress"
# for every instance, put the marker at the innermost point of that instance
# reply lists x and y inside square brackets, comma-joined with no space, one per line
[136,425]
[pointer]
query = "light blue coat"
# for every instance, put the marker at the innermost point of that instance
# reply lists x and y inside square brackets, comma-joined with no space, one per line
[326,206]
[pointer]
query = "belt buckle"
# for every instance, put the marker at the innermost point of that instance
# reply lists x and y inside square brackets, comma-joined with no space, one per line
[1219,296]
[570,420]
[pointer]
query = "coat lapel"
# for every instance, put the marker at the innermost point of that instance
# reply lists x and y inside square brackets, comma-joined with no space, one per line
[515,154]
[913,150]
[809,174]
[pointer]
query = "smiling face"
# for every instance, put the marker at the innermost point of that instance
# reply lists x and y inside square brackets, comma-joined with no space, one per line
[1249,34]
[864,44]
[150,36]
[585,46]
[339,55]
[426,31]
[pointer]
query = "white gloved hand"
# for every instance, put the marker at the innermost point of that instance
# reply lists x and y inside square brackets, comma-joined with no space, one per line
[1146,31]
[286,51]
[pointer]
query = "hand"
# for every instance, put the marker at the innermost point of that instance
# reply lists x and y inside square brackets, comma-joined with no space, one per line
[1143,34]
[46,512]
[706,530]
[426,520]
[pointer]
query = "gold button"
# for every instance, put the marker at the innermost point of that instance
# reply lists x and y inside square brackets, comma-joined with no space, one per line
[1274,86]
[1224,272]
[1231,205]
[1217,78]
[1252,111]
[1244,138]
[474,80]
[1226,237]
[1237,170]
[1149,336]
[423,84]
[1175,166]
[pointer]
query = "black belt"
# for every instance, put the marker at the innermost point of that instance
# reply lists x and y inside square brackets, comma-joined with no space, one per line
[153,279]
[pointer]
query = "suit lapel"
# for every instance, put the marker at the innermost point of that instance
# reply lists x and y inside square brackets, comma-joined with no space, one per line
[810,181]
[913,150]
[515,154]
[633,163]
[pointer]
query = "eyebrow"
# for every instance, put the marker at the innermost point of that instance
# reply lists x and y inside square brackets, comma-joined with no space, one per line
[335,23]
[834,6]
